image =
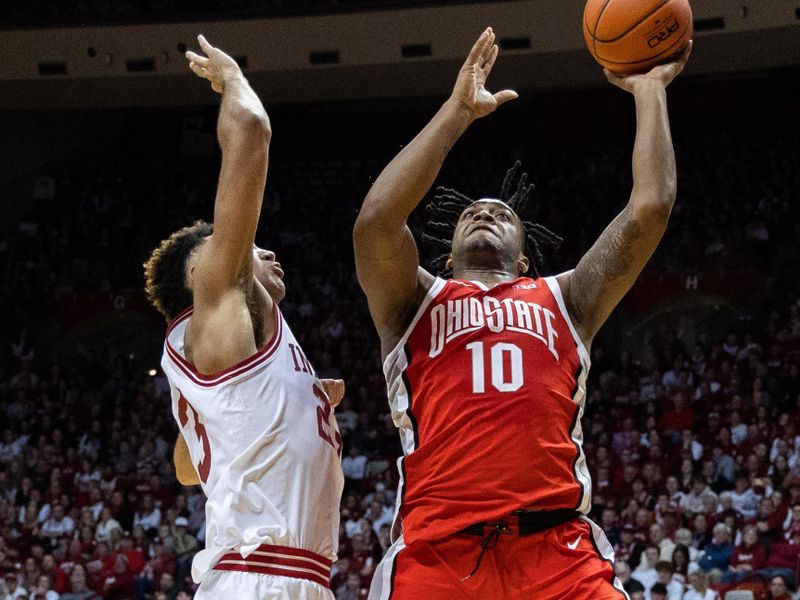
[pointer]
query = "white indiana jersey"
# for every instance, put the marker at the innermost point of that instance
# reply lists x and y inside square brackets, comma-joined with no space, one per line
[265,445]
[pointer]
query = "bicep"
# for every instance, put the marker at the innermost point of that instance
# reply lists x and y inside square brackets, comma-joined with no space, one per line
[609,269]
[388,272]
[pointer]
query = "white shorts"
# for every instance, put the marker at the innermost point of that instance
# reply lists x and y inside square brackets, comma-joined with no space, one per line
[238,585]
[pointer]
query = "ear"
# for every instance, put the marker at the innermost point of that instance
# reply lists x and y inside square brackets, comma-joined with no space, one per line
[449,264]
[523,264]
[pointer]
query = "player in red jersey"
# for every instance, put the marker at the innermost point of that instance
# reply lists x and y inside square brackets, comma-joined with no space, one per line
[487,370]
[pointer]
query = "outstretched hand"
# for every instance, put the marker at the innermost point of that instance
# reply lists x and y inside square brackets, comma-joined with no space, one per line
[334,388]
[470,89]
[660,73]
[216,66]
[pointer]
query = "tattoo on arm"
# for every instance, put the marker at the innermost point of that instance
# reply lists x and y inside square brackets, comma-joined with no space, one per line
[608,259]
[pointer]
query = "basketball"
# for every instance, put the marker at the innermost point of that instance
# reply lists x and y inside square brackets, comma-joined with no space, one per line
[632,36]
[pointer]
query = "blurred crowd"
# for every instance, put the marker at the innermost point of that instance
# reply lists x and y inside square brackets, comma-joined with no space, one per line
[691,436]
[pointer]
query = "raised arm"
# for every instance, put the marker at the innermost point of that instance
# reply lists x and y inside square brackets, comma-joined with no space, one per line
[222,279]
[387,262]
[610,267]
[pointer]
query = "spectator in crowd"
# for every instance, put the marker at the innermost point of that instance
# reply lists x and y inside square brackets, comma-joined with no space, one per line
[750,555]
[659,592]
[57,526]
[701,536]
[106,524]
[783,561]
[629,548]
[698,587]
[717,554]
[354,465]
[623,572]
[11,588]
[118,581]
[79,589]
[646,571]
[352,589]
[149,515]
[185,546]
[673,589]
[665,545]
[44,589]
[699,498]
[680,564]
[778,589]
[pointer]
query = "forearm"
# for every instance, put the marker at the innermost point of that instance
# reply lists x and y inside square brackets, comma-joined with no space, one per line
[409,176]
[241,112]
[244,137]
[654,175]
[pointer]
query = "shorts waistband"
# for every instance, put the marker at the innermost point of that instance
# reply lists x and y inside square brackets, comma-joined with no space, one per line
[282,561]
[530,522]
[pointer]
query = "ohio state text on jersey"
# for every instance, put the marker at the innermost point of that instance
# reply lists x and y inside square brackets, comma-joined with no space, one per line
[265,444]
[487,388]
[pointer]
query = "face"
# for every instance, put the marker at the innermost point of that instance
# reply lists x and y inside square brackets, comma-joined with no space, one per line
[778,587]
[750,536]
[489,235]
[656,535]
[167,582]
[268,272]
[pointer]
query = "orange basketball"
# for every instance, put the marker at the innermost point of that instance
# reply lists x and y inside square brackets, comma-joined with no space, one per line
[631,36]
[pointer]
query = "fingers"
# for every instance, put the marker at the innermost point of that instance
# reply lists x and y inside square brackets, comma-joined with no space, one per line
[334,388]
[207,48]
[196,58]
[684,57]
[687,52]
[613,78]
[505,96]
[490,59]
[479,49]
[199,70]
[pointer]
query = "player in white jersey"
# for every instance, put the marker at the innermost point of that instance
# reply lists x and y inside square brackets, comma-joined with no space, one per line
[256,424]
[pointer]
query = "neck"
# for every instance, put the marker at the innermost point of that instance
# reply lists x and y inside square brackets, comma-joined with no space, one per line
[488,277]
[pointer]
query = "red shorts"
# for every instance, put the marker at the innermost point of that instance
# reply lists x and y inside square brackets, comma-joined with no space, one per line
[572,561]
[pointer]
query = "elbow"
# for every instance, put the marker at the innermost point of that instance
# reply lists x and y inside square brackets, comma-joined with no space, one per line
[369,216]
[655,212]
[365,222]
[654,205]
[246,122]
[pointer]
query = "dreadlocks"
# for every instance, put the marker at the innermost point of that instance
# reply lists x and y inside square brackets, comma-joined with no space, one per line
[448,204]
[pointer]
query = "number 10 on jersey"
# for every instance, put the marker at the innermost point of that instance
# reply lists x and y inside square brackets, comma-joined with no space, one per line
[504,367]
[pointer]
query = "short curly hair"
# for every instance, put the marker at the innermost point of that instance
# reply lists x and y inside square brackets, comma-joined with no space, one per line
[165,270]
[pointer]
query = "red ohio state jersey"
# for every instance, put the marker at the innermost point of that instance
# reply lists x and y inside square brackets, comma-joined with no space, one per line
[487,388]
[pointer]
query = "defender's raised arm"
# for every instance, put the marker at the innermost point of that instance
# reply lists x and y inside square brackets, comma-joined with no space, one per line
[222,278]
[387,262]
[610,267]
